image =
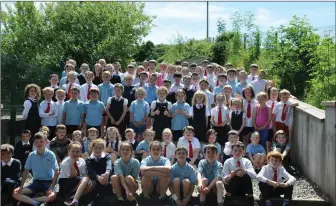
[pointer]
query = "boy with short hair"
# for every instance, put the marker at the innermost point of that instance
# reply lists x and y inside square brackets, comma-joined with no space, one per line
[204,84]
[274,180]
[242,83]
[48,112]
[283,113]
[73,112]
[191,143]
[182,178]
[155,171]
[221,80]
[142,78]
[54,80]
[195,81]
[253,73]
[142,150]
[72,81]
[231,74]
[177,83]
[209,175]
[139,111]
[85,88]
[237,174]
[281,145]
[187,89]
[45,172]
[68,68]
[60,96]
[81,77]
[59,144]
[211,77]
[259,83]
[10,172]
[93,110]
[23,147]
[151,89]
[180,114]
[129,94]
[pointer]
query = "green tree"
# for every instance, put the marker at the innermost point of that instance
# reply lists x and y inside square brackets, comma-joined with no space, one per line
[145,51]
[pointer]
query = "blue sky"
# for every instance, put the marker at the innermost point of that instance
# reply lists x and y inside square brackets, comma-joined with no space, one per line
[189,18]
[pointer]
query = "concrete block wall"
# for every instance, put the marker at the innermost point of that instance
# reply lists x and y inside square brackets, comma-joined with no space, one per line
[314,145]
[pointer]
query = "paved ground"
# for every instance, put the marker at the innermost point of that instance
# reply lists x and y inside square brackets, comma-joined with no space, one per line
[304,190]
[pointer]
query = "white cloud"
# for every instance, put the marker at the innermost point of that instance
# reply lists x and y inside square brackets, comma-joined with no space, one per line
[266,19]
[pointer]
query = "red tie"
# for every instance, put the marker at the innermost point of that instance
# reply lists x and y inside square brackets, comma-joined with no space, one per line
[238,163]
[275,177]
[190,150]
[252,78]
[220,121]
[283,115]
[69,90]
[248,114]
[88,92]
[272,105]
[217,83]
[205,73]
[165,150]
[48,108]
[77,169]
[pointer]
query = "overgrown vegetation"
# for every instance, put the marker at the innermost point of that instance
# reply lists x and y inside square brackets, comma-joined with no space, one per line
[36,42]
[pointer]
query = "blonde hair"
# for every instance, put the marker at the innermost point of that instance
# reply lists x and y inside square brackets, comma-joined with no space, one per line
[149,132]
[140,89]
[97,142]
[47,89]
[284,91]
[106,73]
[60,91]
[162,88]
[243,72]
[199,93]
[71,74]
[76,131]
[180,91]
[167,130]
[72,62]
[88,73]
[128,76]
[75,144]
[44,130]
[120,86]
[227,86]
[94,129]
[262,94]
[129,130]
[113,129]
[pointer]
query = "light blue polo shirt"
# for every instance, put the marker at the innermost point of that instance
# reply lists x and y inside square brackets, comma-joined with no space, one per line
[179,121]
[150,93]
[149,161]
[183,172]
[93,111]
[233,85]
[143,145]
[43,166]
[210,172]
[140,109]
[73,111]
[105,91]
[131,168]
[240,87]
[218,89]
[255,149]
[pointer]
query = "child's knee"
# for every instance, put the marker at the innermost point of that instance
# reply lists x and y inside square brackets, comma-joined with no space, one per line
[114,178]
[186,183]
[129,179]
[176,181]
[219,184]
[205,181]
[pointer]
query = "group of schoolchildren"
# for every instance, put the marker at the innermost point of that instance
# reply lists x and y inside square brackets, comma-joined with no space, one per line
[207,126]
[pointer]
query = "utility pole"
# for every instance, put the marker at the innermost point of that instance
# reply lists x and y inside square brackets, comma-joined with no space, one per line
[207,33]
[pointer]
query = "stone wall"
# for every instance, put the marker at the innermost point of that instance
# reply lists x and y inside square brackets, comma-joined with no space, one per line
[314,145]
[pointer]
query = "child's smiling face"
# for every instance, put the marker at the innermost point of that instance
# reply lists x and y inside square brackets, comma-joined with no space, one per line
[77,136]
[92,134]
[32,93]
[212,138]
[60,133]
[255,139]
